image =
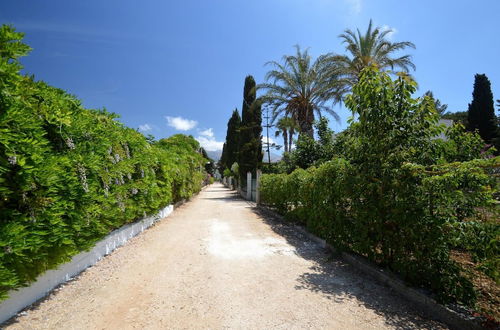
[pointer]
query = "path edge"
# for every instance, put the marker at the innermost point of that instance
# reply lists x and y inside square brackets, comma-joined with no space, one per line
[422,301]
[24,297]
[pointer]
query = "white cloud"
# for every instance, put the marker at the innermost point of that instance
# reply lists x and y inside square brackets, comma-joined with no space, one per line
[181,124]
[207,140]
[145,128]
[209,133]
[356,5]
[271,140]
[210,144]
[387,28]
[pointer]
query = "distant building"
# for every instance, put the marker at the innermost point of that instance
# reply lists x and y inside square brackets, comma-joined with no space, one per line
[447,123]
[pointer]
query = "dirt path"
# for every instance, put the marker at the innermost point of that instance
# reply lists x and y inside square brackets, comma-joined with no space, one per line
[215,263]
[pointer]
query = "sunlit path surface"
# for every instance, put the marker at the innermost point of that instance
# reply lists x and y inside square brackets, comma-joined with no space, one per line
[217,263]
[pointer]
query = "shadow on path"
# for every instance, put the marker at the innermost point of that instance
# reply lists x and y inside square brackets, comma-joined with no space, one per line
[338,281]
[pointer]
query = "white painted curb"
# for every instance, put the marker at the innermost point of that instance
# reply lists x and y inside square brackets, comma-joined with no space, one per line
[19,299]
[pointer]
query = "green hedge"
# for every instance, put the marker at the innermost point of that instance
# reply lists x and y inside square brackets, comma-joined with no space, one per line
[69,176]
[410,227]
[394,193]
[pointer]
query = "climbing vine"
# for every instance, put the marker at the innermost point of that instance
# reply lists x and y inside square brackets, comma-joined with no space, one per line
[69,175]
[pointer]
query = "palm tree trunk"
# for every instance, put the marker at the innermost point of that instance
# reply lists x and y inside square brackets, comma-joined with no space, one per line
[285,140]
[305,120]
[290,139]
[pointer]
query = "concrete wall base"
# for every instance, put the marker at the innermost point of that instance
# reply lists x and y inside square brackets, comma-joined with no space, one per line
[24,297]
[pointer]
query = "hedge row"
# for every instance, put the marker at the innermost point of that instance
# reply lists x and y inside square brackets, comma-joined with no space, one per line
[394,192]
[69,176]
[408,225]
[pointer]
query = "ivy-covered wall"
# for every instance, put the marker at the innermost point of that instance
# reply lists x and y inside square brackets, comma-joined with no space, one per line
[69,175]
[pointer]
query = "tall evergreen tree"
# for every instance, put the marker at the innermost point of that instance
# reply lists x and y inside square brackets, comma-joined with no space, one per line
[230,150]
[481,113]
[221,165]
[250,150]
[256,110]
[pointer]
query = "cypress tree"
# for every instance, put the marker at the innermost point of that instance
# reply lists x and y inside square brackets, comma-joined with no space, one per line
[230,150]
[257,131]
[221,164]
[481,113]
[250,155]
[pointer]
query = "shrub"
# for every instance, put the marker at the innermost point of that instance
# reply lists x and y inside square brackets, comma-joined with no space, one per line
[411,230]
[69,176]
[388,200]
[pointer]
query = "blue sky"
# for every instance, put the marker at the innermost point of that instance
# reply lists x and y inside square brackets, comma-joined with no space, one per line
[179,66]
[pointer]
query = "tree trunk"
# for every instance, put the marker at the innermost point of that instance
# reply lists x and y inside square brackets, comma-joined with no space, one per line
[306,120]
[285,140]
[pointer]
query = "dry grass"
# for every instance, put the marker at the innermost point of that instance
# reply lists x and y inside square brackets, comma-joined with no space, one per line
[488,291]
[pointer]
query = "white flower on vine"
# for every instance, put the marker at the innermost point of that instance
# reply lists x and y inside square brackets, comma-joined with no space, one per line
[70,143]
[127,151]
[83,178]
[12,160]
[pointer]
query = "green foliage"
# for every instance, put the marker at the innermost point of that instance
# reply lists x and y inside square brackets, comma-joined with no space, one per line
[459,117]
[69,175]
[325,144]
[408,226]
[300,87]
[387,199]
[227,172]
[461,145]
[393,127]
[440,108]
[306,152]
[481,239]
[250,142]
[235,169]
[286,127]
[309,152]
[481,113]
[230,149]
[370,49]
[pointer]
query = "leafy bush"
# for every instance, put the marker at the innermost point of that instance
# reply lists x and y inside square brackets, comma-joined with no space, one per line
[410,229]
[69,176]
[388,200]
[461,145]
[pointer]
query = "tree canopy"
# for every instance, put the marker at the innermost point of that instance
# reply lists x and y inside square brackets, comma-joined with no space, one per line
[481,113]
[250,143]
[300,87]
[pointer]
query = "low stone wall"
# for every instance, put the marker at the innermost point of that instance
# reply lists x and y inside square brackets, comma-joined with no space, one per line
[20,299]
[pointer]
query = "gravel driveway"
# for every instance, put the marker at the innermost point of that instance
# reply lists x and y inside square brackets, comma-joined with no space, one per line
[217,263]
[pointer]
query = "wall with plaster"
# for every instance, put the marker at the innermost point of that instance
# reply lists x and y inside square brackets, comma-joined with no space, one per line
[19,299]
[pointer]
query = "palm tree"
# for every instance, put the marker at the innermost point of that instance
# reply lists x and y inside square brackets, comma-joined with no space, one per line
[283,131]
[371,49]
[287,126]
[300,87]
